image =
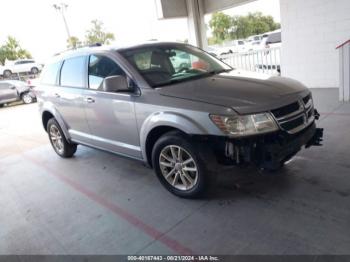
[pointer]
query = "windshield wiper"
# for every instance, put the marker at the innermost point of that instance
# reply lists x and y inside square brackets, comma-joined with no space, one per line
[206,74]
[215,72]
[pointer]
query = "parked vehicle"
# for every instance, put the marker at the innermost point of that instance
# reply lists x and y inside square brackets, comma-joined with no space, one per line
[180,61]
[20,66]
[13,90]
[235,46]
[213,51]
[254,46]
[254,38]
[273,40]
[185,123]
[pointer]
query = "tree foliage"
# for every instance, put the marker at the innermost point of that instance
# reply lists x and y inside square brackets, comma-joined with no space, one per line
[73,42]
[220,24]
[96,34]
[12,50]
[225,27]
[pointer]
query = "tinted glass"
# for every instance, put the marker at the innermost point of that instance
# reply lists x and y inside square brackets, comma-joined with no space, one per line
[163,65]
[274,38]
[101,67]
[49,74]
[72,72]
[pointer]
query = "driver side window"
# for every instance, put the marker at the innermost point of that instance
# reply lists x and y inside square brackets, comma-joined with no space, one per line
[101,67]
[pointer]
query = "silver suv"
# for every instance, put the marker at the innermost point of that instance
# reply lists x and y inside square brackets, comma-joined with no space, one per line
[183,119]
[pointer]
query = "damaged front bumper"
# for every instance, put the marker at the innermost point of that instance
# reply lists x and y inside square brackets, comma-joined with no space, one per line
[268,151]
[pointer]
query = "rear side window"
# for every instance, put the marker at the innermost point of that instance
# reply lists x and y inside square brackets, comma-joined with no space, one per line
[72,72]
[49,74]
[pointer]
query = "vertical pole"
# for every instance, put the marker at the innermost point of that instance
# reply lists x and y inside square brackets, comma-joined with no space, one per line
[65,23]
[341,75]
[62,8]
[346,72]
[196,24]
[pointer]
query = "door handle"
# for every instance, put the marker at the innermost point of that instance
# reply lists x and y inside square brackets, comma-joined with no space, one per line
[57,95]
[89,100]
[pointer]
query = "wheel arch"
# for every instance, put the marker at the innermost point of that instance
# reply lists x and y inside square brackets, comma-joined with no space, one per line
[158,124]
[152,138]
[47,114]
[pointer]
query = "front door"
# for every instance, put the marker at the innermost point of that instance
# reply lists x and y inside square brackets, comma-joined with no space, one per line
[8,92]
[110,115]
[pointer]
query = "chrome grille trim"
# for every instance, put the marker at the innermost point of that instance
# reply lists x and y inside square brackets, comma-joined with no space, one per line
[305,106]
[298,112]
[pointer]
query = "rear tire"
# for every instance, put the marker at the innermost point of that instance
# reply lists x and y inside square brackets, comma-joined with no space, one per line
[58,141]
[1,105]
[7,73]
[182,173]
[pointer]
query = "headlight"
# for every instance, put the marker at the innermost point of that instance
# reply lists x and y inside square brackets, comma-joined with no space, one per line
[245,125]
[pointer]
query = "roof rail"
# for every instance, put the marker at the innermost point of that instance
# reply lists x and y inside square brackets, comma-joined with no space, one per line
[80,47]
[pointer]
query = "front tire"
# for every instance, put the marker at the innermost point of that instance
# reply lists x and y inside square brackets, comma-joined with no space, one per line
[58,141]
[34,70]
[27,98]
[179,166]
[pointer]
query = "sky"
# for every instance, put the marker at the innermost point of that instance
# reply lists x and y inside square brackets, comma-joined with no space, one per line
[40,28]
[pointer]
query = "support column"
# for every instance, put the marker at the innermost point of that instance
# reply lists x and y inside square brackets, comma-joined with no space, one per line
[196,24]
[344,66]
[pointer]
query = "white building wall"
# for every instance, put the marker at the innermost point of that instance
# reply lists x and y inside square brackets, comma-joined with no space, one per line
[311,30]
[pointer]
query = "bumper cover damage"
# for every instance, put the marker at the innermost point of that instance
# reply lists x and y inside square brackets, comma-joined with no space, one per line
[266,151]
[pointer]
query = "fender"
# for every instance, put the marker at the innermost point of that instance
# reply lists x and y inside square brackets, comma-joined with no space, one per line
[50,107]
[171,119]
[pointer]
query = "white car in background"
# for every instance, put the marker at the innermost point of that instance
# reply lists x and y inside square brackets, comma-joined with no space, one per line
[273,40]
[20,66]
[181,61]
[234,46]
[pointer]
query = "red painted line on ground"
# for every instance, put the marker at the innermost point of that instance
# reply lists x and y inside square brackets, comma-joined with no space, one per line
[119,211]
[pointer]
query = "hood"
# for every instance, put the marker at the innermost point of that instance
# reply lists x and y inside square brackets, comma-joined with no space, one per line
[245,92]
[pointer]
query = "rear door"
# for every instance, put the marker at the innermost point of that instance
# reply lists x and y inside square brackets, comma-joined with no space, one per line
[8,92]
[18,67]
[110,115]
[68,97]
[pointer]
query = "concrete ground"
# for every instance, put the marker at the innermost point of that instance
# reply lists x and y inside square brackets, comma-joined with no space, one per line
[99,203]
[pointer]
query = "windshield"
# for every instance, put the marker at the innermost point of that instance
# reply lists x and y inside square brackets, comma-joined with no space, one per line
[164,65]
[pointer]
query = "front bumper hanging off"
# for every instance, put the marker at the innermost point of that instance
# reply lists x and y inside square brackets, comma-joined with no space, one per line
[268,151]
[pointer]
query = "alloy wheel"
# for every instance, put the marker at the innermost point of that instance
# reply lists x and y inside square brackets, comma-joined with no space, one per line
[27,99]
[178,167]
[57,139]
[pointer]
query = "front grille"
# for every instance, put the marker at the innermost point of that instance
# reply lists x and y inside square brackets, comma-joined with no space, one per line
[285,110]
[292,124]
[306,99]
[295,116]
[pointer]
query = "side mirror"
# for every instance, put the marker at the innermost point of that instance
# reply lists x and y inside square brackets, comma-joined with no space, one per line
[116,84]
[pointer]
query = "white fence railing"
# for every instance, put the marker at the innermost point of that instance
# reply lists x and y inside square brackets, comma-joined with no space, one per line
[266,61]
